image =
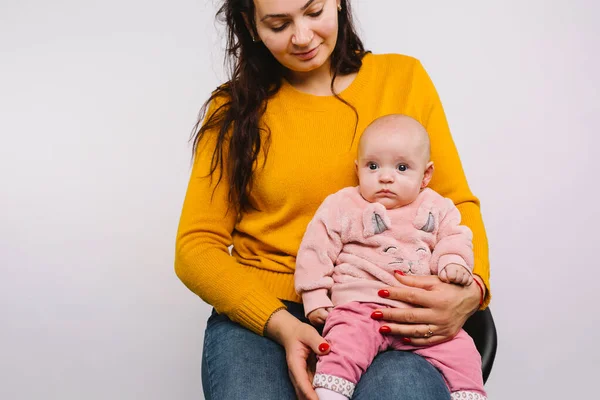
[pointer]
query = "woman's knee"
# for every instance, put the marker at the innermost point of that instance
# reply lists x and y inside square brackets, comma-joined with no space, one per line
[401,375]
[239,364]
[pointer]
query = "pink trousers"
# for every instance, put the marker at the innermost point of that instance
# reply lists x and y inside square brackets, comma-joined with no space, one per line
[355,341]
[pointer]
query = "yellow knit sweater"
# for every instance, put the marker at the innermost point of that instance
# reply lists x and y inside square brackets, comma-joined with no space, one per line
[311,155]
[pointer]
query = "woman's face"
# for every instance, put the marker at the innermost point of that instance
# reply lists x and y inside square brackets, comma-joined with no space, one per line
[301,34]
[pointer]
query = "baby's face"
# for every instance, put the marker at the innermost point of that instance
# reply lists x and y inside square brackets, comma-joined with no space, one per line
[391,168]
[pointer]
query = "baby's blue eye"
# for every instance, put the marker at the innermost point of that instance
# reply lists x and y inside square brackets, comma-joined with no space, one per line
[402,167]
[372,166]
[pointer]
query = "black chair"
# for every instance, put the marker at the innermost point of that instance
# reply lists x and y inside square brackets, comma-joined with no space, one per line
[480,326]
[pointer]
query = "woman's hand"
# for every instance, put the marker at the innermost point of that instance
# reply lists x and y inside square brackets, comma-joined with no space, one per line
[300,341]
[441,309]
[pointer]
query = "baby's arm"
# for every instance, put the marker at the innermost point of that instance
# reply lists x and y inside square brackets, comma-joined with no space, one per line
[452,257]
[316,258]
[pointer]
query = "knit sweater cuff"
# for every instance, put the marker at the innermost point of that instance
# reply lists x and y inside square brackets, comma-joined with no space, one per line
[486,299]
[256,309]
[486,282]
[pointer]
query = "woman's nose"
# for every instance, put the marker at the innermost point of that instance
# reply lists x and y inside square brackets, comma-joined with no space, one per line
[302,36]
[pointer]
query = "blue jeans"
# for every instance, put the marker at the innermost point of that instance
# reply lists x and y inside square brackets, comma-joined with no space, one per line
[239,364]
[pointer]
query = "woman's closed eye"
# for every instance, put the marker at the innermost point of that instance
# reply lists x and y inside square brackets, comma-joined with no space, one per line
[280,27]
[316,14]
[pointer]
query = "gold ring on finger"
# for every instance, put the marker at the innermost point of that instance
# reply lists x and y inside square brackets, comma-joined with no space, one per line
[429,332]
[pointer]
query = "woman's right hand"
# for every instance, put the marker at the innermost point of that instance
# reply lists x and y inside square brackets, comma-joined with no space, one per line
[300,342]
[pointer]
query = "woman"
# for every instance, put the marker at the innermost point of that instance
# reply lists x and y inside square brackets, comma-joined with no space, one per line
[277,138]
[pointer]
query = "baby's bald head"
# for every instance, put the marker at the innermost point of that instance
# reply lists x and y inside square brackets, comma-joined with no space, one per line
[414,134]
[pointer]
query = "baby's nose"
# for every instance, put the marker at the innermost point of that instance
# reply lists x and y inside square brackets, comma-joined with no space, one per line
[386,177]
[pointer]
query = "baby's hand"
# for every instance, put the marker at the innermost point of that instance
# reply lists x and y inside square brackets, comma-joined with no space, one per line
[318,316]
[454,273]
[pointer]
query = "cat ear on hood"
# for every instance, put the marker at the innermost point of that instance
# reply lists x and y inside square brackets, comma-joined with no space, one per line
[375,220]
[429,225]
[425,219]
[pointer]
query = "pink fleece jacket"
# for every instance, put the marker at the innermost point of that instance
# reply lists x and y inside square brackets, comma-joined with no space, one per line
[351,247]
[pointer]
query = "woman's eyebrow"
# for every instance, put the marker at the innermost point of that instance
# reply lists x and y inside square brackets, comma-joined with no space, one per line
[304,7]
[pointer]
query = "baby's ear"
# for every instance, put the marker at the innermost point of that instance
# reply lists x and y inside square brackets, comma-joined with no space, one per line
[427,175]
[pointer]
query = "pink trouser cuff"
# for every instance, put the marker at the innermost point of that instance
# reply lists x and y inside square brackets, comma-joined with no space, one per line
[334,383]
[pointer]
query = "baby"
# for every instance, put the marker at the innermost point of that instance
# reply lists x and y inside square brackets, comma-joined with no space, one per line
[359,236]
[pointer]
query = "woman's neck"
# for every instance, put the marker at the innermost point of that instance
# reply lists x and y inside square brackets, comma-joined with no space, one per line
[318,82]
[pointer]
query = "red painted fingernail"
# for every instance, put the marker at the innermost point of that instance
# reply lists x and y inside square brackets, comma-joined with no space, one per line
[323,347]
[384,293]
[377,315]
[399,272]
[385,329]
[406,340]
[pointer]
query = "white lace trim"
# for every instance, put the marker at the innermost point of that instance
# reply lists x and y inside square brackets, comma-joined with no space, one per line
[463,395]
[335,383]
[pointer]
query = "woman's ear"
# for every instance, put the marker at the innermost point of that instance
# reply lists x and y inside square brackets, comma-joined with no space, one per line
[427,175]
[250,27]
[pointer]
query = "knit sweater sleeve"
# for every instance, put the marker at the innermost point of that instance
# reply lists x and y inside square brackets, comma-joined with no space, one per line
[202,258]
[318,252]
[449,179]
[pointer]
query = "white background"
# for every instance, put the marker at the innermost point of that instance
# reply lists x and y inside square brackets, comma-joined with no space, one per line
[97,100]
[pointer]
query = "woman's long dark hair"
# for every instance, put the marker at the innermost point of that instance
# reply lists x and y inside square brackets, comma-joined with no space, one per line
[255,76]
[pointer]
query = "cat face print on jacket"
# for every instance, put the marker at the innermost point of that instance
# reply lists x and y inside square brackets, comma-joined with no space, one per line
[409,256]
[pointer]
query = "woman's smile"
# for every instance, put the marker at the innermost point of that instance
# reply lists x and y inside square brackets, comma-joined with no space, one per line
[308,55]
